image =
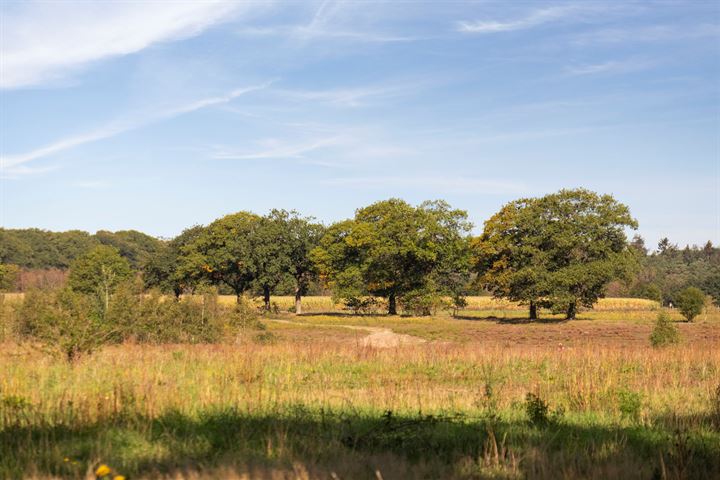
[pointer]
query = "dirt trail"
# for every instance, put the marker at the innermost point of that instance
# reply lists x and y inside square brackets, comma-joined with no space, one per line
[378,337]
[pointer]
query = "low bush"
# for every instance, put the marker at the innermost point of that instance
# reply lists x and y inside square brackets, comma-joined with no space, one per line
[75,324]
[422,303]
[665,332]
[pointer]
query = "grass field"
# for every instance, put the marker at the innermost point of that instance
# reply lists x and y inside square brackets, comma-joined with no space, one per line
[310,398]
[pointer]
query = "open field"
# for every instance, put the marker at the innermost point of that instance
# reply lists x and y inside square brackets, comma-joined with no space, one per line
[309,398]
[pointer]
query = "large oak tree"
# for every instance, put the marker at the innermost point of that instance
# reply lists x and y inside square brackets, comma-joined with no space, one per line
[391,249]
[558,251]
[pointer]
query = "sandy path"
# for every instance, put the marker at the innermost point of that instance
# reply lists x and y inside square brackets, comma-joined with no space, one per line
[378,337]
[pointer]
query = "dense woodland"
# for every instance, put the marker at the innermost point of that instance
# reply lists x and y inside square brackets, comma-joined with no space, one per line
[291,254]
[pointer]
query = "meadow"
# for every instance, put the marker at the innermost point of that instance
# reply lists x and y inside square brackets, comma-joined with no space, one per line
[483,395]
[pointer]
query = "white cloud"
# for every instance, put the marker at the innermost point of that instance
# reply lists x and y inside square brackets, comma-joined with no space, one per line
[610,67]
[43,41]
[330,21]
[10,163]
[275,149]
[538,17]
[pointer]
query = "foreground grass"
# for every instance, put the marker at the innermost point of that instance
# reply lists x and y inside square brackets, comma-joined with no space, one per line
[292,408]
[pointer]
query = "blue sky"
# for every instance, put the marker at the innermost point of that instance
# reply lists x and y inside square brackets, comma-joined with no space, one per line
[159,115]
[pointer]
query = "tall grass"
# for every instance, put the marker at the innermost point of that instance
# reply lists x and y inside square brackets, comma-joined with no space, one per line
[331,406]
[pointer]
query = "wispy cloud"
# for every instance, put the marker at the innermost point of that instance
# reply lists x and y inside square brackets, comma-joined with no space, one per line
[10,163]
[43,41]
[465,185]
[611,67]
[330,20]
[533,19]
[350,97]
[280,150]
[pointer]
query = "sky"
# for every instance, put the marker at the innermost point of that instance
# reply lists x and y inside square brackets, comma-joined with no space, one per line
[157,116]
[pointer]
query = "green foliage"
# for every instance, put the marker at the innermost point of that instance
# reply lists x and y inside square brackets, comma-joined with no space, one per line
[664,332]
[34,248]
[74,324]
[65,322]
[163,270]
[423,302]
[8,277]
[558,251]
[362,305]
[299,235]
[99,272]
[629,404]
[690,302]
[671,270]
[222,253]
[537,410]
[391,249]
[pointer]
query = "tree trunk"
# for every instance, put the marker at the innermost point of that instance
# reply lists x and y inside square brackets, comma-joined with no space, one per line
[238,297]
[266,297]
[571,311]
[298,301]
[392,305]
[533,311]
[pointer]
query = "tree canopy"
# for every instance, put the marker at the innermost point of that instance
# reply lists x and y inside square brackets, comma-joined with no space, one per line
[391,249]
[99,272]
[558,251]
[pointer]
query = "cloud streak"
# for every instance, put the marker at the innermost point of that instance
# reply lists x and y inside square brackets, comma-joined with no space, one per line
[11,162]
[281,151]
[610,67]
[534,19]
[44,41]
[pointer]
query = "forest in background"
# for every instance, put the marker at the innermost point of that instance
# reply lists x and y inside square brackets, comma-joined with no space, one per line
[34,258]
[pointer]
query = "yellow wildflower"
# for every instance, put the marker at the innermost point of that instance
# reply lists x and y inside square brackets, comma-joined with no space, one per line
[102,470]
[66,459]
[119,477]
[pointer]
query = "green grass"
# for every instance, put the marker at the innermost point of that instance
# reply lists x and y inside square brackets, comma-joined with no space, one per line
[310,401]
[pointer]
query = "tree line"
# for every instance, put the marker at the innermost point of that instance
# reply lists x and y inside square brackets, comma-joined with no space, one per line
[559,252]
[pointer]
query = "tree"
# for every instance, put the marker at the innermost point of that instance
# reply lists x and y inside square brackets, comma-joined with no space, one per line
[135,246]
[391,249]
[222,253]
[300,235]
[270,254]
[558,251]
[690,302]
[99,272]
[8,276]
[163,271]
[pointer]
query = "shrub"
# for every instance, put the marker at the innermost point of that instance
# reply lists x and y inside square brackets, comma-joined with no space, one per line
[665,332]
[362,304]
[423,303]
[64,322]
[536,409]
[690,302]
[629,404]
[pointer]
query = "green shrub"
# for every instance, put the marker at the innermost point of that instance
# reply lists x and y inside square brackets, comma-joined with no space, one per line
[362,305]
[537,410]
[74,323]
[690,302]
[629,404]
[423,303]
[65,322]
[665,332]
